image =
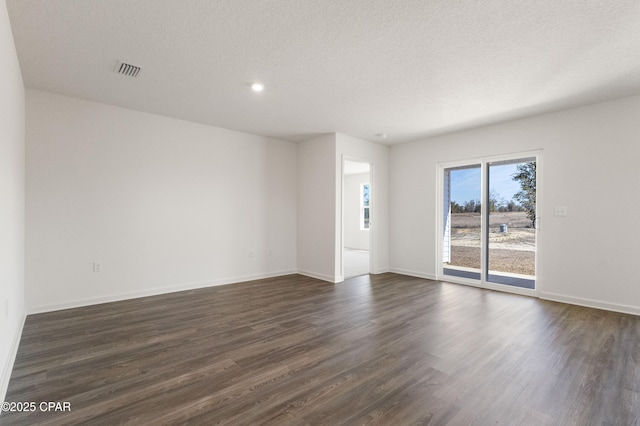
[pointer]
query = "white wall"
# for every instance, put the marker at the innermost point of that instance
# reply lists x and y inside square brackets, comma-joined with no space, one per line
[163,204]
[354,237]
[316,207]
[377,155]
[320,231]
[12,140]
[590,157]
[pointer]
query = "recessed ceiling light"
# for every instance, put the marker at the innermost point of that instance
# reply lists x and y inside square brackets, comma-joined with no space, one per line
[382,135]
[257,87]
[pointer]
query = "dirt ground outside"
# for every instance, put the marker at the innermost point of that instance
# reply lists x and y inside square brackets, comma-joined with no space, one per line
[512,251]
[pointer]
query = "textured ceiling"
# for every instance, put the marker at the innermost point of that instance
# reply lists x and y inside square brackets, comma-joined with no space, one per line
[407,68]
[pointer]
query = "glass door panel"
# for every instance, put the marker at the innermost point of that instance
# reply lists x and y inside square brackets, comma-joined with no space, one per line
[462,235]
[511,233]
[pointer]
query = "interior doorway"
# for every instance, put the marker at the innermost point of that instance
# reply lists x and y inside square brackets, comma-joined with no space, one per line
[356,218]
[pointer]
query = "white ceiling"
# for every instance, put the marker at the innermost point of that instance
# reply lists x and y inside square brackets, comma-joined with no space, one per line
[407,68]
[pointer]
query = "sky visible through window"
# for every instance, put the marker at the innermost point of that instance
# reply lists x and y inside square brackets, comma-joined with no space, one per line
[465,183]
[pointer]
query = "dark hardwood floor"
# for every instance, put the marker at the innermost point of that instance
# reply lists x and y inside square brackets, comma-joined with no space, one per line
[386,350]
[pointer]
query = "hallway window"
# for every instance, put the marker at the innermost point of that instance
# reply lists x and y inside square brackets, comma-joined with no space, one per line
[364,206]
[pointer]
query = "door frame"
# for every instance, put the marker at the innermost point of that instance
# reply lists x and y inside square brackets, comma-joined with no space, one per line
[372,210]
[483,162]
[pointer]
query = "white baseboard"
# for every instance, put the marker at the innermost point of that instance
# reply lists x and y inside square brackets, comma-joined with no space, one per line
[318,276]
[413,273]
[13,351]
[590,303]
[154,292]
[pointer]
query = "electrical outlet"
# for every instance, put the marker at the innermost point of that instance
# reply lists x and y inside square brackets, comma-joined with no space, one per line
[251,252]
[560,211]
[97,266]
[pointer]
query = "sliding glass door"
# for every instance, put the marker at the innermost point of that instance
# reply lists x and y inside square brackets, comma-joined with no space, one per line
[489,221]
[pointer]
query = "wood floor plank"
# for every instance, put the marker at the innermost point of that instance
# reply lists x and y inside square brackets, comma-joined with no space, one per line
[374,350]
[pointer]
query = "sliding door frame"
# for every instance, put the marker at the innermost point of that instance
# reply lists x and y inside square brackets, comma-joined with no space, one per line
[484,221]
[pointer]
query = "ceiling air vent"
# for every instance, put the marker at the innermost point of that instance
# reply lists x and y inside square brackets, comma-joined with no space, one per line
[127,69]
